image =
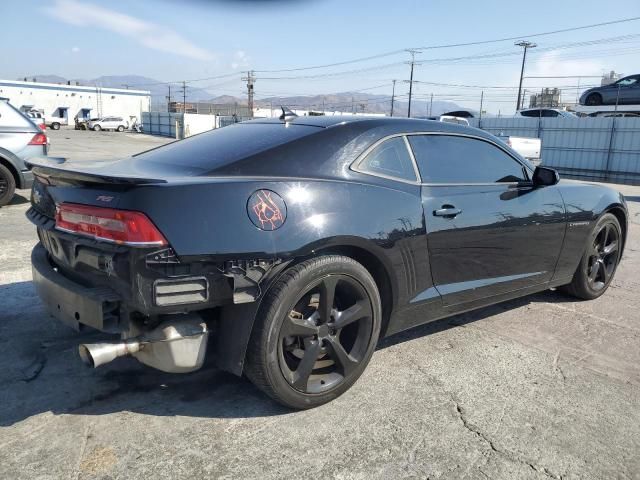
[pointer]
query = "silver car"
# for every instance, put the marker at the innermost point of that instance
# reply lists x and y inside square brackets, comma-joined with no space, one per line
[20,139]
[625,91]
[108,123]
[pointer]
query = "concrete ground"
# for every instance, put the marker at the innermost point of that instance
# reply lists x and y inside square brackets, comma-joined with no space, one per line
[537,388]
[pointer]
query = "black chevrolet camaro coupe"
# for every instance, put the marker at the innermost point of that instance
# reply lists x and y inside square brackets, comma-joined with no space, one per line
[288,248]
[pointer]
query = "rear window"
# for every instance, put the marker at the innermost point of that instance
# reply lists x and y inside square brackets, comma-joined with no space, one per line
[223,146]
[12,117]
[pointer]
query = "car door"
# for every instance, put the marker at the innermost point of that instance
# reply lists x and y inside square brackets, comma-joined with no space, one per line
[630,90]
[489,231]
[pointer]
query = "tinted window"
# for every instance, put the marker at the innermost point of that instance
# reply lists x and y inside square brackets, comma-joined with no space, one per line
[550,113]
[448,159]
[224,146]
[530,113]
[390,158]
[626,82]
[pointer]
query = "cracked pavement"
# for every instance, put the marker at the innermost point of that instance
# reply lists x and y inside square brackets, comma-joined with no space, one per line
[537,388]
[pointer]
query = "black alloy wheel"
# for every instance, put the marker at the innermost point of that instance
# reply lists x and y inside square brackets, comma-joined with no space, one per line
[326,335]
[316,330]
[603,257]
[599,260]
[594,99]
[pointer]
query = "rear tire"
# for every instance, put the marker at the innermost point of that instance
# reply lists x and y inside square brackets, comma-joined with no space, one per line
[594,99]
[599,260]
[316,331]
[7,185]
[55,126]
[97,128]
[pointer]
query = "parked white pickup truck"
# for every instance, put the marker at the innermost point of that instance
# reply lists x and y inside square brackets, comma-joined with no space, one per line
[55,122]
[528,147]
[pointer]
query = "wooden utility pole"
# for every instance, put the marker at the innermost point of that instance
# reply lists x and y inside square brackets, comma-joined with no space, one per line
[413,61]
[393,96]
[184,97]
[250,79]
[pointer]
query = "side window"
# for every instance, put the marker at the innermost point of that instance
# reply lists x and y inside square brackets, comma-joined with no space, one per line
[452,159]
[530,113]
[550,113]
[390,158]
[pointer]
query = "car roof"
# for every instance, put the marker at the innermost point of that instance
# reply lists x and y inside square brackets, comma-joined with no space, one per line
[369,122]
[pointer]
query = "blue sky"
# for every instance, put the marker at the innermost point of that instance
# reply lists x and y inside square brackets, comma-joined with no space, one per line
[173,40]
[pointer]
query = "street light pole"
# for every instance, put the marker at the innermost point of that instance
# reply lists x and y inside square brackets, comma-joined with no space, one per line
[525,45]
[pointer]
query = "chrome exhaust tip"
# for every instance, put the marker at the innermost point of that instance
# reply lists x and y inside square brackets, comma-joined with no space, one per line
[96,354]
[177,345]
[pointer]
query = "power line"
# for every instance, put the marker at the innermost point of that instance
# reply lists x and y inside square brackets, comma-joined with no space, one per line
[532,35]
[451,45]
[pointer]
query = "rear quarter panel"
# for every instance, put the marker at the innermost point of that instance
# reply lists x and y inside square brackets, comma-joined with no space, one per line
[211,220]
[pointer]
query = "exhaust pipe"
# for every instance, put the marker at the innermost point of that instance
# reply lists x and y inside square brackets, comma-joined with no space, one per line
[96,354]
[177,345]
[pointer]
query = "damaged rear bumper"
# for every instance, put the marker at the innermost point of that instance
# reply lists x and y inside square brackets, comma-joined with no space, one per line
[70,302]
[178,344]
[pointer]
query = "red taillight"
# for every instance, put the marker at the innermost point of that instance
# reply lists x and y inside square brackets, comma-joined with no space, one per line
[43,126]
[38,139]
[117,226]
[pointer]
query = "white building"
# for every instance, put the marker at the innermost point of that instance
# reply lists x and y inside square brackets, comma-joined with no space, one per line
[69,101]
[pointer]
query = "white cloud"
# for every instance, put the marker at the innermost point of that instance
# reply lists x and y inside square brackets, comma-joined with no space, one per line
[146,33]
[552,64]
[75,49]
[240,60]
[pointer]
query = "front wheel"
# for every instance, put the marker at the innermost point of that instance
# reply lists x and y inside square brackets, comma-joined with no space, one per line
[121,128]
[55,126]
[7,185]
[599,260]
[317,329]
[594,99]
[97,128]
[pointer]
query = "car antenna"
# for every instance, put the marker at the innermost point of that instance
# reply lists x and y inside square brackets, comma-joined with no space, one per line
[287,114]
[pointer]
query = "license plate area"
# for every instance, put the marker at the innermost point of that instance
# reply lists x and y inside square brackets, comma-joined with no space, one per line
[71,303]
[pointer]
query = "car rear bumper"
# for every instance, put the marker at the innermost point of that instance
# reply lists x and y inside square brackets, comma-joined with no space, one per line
[70,302]
[27,179]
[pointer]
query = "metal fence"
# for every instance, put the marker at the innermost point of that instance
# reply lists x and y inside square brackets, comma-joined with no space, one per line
[602,149]
[225,121]
[160,123]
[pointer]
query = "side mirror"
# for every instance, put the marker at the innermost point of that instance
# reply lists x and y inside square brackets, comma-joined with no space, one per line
[545,176]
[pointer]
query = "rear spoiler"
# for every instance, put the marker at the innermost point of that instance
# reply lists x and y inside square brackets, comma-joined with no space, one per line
[56,168]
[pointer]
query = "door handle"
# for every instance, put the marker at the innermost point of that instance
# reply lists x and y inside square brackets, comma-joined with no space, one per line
[447,211]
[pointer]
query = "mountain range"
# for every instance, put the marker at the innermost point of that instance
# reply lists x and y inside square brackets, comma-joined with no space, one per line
[343,101]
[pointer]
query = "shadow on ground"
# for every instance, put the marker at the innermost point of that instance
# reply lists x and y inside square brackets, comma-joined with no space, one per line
[40,370]
[19,199]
